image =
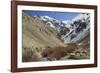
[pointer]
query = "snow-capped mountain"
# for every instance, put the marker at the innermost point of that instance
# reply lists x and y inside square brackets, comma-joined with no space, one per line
[69,30]
[67,23]
[52,22]
[47,18]
[80,29]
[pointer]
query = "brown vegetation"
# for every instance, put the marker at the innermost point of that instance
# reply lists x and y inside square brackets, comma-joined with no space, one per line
[58,52]
[71,51]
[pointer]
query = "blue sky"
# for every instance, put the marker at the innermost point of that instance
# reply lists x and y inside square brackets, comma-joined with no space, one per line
[58,15]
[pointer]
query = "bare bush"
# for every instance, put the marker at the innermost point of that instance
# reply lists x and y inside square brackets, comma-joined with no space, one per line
[59,51]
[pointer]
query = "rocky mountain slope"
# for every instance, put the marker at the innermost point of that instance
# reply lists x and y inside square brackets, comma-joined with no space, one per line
[37,34]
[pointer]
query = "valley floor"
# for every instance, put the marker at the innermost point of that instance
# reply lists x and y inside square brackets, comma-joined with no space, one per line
[70,52]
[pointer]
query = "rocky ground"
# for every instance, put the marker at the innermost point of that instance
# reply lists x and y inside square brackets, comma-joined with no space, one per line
[70,52]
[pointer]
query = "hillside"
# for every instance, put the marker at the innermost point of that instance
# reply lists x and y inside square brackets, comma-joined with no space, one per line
[37,34]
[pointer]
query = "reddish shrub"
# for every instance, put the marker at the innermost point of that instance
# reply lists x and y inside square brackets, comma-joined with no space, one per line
[59,51]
